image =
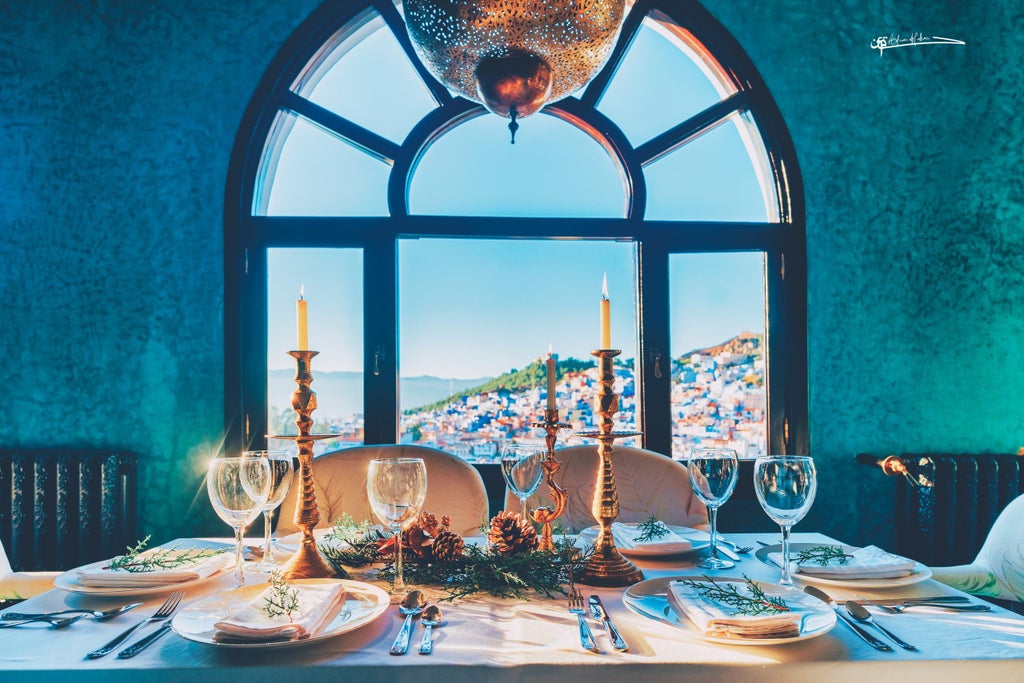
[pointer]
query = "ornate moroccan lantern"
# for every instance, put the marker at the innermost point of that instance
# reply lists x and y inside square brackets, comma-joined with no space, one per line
[514,56]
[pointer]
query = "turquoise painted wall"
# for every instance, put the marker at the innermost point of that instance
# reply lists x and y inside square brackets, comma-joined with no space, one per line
[116,127]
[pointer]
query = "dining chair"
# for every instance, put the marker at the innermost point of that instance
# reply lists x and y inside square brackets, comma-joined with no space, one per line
[647,483]
[21,585]
[454,487]
[998,570]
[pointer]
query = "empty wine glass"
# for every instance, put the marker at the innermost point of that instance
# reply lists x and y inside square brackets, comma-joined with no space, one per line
[522,467]
[396,488]
[713,473]
[282,469]
[238,488]
[785,486]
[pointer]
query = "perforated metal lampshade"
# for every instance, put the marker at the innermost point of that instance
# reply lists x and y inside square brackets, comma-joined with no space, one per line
[514,56]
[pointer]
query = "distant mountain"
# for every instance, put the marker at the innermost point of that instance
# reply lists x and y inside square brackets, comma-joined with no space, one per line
[340,394]
[745,343]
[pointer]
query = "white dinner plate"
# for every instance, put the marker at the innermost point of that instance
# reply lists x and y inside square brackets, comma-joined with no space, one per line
[363,604]
[698,541]
[290,544]
[920,573]
[650,599]
[68,581]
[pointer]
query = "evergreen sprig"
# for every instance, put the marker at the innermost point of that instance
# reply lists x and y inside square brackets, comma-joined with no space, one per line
[651,529]
[503,576]
[821,555]
[135,560]
[757,603]
[282,598]
[352,544]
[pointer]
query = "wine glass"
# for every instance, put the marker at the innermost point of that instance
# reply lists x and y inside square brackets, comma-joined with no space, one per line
[522,467]
[713,473]
[785,486]
[396,488]
[282,469]
[238,488]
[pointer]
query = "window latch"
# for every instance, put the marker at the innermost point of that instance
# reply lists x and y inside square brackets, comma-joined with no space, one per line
[378,359]
[657,363]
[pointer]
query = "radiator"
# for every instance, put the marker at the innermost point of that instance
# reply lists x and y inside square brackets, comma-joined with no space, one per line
[61,508]
[947,502]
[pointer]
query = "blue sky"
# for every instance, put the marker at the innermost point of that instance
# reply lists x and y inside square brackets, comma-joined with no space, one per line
[472,308]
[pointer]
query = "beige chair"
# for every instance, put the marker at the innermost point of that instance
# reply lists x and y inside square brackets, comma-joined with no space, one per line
[454,487]
[998,570]
[21,585]
[647,483]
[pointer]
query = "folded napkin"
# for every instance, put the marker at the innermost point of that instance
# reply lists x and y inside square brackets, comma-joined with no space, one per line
[721,621]
[626,536]
[318,605]
[869,562]
[104,577]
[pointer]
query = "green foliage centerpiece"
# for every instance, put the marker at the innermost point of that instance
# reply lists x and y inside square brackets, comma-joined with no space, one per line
[510,566]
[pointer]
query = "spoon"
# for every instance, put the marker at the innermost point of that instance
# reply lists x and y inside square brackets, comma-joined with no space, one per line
[411,606]
[431,618]
[861,614]
[848,620]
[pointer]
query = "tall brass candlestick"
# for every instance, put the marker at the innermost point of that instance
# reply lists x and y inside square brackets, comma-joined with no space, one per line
[307,562]
[546,515]
[607,566]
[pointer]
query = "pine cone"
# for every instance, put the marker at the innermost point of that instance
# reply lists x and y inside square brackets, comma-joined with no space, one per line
[510,534]
[448,546]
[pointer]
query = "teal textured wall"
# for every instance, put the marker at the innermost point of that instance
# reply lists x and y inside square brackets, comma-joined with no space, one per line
[116,126]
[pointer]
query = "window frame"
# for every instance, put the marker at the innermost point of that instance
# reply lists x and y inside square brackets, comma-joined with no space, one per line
[248,236]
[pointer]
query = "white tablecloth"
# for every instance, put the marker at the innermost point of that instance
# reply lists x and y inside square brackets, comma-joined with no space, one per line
[491,640]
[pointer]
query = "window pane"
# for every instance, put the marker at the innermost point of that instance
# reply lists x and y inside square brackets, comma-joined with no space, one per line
[333,283]
[369,81]
[711,178]
[554,169]
[659,84]
[719,395]
[477,316]
[318,174]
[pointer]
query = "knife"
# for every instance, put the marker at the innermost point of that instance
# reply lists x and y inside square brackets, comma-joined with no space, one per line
[599,612]
[728,552]
[899,601]
[865,636]
[138,647]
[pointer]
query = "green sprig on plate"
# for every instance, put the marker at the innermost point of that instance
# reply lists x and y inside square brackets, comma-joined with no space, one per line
[822,555]
[755,604]
[136,560]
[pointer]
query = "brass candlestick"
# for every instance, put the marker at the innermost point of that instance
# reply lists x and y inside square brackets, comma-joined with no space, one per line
[306,563]
[545,515]
[607,566]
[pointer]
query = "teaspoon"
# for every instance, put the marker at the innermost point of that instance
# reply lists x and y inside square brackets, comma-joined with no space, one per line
[411,606]
[431,618]
[861,614]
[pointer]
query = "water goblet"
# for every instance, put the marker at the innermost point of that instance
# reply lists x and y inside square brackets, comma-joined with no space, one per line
[785,486]
[282,470]
[522,466]
[238,488]
[713,473]
[396,488]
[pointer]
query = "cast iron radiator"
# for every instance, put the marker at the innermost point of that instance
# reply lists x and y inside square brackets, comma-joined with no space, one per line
[61,508]
[947,502]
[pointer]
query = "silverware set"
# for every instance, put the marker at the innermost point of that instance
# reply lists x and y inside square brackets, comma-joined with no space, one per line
[59,619]
[162,614]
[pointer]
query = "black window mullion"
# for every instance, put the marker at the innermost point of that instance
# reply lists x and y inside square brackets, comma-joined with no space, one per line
[380,340]
[630,27]
[397,25]
[655,372]
[366,140]
[254,346]
[688,130]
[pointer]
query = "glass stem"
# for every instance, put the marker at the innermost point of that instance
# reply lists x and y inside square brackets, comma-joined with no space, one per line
[786,579]
[239,563]
[399,581]
[713,518]
[267,518]
[525,517]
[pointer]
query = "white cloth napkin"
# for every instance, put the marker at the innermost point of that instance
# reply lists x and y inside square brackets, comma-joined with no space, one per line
[101,576]
[869,562]
[318,605]
[721,621]
[626,536]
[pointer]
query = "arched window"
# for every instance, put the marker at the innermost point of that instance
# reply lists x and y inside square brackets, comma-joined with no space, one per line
[439,261]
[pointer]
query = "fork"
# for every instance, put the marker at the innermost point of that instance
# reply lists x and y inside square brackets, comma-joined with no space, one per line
[99,615]
[576,607]
[166,610]
[741,549]
[898,609]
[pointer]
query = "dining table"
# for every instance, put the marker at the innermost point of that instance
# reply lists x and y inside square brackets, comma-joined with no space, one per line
[483,638]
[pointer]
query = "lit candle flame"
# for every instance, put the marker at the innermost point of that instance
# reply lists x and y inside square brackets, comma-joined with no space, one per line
[302,291]
[604,287]
[549,350]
